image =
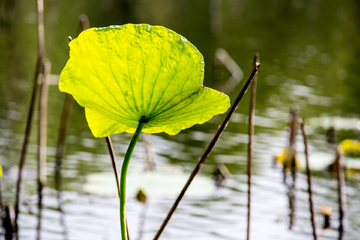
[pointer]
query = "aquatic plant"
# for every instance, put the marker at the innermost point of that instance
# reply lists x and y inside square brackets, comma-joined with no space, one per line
[135,78]
[350,147]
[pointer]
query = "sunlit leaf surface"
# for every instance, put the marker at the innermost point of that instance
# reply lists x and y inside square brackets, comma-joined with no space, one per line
[122,74]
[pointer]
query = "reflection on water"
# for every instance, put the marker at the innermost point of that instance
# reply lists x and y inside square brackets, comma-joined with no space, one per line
[309,53]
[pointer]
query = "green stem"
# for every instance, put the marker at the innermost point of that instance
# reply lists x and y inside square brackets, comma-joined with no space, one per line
[123,179]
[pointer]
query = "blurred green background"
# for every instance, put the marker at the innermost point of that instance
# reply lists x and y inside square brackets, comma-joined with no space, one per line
[309,52]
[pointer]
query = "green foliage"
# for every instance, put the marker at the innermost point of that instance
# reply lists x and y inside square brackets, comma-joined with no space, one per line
[126,74]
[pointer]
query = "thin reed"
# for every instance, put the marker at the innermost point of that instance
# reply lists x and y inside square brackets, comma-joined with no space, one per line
[309,179]
[38,70]
[341,191]
[83,24]
[251,143]
[209,148]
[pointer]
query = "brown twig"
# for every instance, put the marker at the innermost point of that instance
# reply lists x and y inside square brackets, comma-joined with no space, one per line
[8,221]
[1,200]
[149,158]
[42,140]
[289,161]
[113,161]
[209,148]
[82,25]
[40,21]
[7,13]
[290,164]
[61,139]
[308,173]
[250,145]
[341,190]
[43,125]
[236,73]
[142,218]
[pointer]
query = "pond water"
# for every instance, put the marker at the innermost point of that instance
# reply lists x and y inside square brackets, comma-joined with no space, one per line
[309,52]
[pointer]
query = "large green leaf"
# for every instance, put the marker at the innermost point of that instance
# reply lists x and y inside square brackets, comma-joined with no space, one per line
[122,74]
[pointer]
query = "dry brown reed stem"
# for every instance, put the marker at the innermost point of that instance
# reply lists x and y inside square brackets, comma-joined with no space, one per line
[290,164]
[1,200]
[61,139]
[149,158]
[251,140]
[236,73]
[42,126]
[7,13]
[41,48]
[142,218]
[289,161]
[309,179]
[42,139]
[291,198]
[8,222]
[209,148]
[113,162]
[341,191]
[82,25]
[116,172]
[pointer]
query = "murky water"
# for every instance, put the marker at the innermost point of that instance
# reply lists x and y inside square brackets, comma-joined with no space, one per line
[309,52]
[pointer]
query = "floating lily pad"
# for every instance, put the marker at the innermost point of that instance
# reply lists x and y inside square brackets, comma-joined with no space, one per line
[154,184]
[318,161]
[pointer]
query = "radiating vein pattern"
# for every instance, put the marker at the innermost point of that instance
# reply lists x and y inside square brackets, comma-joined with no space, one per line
[122,74]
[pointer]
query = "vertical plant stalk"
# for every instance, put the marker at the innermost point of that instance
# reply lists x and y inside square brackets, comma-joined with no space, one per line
[290,163]
[43,126]
[61,139]
[1,201]
[291,198]
[224,58]
[149,158]
[41,47]
[116,172]
[124,168]
[8,221]
[82,25]
[113,161]
[250,145]
[42,140]
[341,191]
[209,148]
[309,179]
[142,221]
[7,13]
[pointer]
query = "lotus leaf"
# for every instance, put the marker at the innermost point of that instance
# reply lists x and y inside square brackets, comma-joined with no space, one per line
[126,74]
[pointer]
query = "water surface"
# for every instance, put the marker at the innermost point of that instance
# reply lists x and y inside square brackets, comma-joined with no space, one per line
[309,52]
